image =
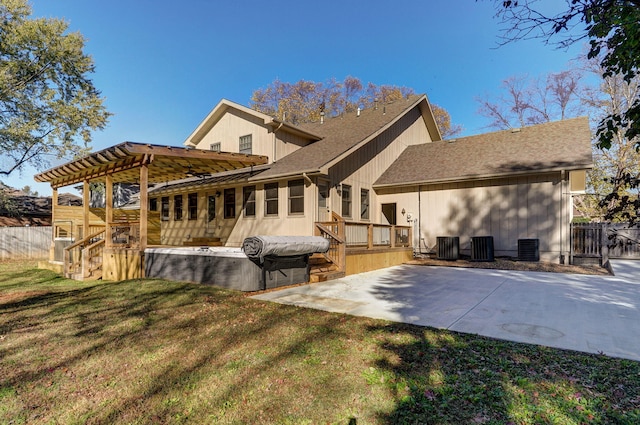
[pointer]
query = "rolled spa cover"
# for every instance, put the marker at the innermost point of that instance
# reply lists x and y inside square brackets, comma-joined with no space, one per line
[258,247]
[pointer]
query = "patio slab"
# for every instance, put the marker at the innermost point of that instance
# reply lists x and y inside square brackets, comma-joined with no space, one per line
[594,314]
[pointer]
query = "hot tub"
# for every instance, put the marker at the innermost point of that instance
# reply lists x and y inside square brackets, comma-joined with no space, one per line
[223,267]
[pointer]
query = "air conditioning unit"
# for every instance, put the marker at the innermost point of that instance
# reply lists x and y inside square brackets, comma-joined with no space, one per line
[447,247]
[529,249]
[482,248]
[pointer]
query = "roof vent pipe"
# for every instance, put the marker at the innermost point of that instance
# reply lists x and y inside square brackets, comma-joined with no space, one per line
[358,112]
[322,117]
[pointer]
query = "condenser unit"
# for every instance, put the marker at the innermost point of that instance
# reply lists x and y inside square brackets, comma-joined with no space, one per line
[447,247]
[529,249]
[482,248]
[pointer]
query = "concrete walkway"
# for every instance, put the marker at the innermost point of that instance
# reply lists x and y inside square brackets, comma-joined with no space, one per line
[593,314]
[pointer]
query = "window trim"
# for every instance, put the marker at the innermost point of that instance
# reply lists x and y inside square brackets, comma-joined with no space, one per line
[164,208]
[249,201]
[247,139]
[192,210]
[267,199]
[363,204]
[177,207]
[348,201]
[291,184]
[229,193]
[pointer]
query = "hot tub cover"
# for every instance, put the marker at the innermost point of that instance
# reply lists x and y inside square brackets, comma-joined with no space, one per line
[258,247]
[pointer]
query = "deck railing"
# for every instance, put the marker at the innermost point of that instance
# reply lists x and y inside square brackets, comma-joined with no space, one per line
[376,235]
[84,258]
[125,234]
[334,232]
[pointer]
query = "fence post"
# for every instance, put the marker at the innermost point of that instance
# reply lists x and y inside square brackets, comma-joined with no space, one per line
[604,245]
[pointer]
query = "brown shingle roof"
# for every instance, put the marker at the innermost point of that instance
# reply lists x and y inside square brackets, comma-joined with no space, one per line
[544,147]
[339,135]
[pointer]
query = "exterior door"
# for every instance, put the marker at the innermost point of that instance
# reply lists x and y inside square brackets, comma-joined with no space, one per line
[389,212]
[211,214]
[324,211]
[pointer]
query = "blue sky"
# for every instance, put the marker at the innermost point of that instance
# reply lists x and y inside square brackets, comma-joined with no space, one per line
[163,65]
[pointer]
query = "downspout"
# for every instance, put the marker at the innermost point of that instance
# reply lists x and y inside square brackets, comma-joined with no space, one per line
[419,222]
[274,142]
[562,176]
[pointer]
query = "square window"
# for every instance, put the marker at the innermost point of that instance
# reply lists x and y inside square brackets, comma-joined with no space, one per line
[153,204]
[245,144]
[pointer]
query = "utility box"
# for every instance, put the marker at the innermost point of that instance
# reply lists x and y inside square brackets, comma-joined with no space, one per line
[529,249]
[447,247]
[482,248]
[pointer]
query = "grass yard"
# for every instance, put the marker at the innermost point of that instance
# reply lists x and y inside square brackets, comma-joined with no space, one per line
[152,351]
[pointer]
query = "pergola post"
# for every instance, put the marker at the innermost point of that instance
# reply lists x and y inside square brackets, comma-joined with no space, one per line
[108,211]
[54,205]
[144,202]
[86,194]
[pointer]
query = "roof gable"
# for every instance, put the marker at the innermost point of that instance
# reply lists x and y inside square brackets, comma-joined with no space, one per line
[225,105]
[344,134]
[560,145]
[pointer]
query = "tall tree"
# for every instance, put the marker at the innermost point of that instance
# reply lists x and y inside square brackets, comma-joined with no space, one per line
[48,104]
[612,28]
[305,101]
[609,180]
[528,101]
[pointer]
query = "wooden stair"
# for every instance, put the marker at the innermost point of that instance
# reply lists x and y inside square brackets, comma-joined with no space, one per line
[323,270]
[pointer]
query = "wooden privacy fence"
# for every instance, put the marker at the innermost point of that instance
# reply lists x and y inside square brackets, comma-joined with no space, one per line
[604,241]
[25,242]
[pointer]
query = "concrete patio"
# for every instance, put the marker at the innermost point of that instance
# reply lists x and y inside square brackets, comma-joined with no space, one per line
[593,314]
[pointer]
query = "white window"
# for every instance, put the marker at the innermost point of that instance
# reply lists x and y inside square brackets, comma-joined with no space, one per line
[245,144]
[346,200]
[271,199]
[364,204]
[249,197]
[296,197]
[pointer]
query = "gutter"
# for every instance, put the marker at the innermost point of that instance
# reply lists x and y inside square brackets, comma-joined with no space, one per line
[460,179]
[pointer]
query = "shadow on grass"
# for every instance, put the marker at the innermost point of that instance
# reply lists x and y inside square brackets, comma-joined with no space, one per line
[439,376]
[163,352]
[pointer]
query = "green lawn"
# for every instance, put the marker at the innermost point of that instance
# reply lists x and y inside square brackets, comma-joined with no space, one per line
[152,351]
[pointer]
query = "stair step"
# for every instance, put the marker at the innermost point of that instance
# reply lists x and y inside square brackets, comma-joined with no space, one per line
[324,276]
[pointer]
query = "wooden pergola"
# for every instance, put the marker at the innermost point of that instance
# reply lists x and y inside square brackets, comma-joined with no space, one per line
[143,164]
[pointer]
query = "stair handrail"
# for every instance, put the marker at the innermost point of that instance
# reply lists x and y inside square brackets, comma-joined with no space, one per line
[67,260]
[86,258]
[337,241]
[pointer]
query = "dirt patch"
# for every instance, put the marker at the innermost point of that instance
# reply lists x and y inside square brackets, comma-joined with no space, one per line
[18,296]
[509,264]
